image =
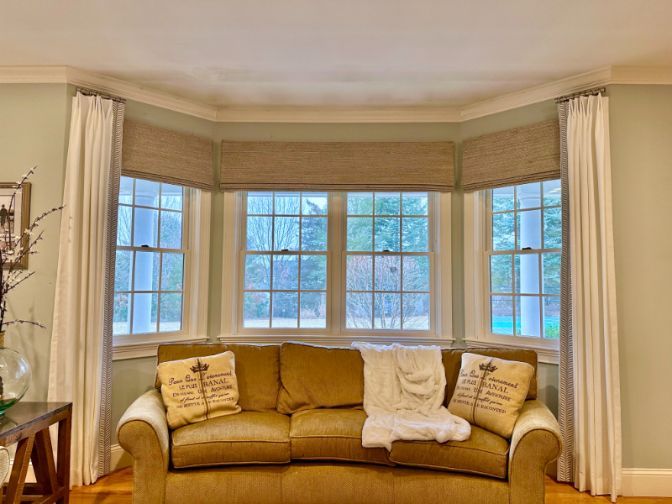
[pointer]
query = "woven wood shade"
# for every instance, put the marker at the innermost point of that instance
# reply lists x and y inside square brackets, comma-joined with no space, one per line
[167,156]
[510,157]
[352,166]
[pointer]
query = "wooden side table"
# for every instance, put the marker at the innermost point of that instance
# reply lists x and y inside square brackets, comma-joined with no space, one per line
[27,424]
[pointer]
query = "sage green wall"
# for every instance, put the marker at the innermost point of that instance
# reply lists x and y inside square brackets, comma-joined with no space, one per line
[641,157]
[33,132]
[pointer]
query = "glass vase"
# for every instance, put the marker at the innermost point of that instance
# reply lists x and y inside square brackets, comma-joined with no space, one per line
[14,377]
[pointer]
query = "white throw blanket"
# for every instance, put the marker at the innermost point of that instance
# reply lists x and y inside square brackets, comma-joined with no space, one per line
[404,387]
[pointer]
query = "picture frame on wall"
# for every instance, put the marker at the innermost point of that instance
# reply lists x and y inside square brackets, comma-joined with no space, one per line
[14,217]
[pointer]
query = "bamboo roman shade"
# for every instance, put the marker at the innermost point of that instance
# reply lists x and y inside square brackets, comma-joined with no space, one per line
[167,156]
[353,166]
[510,157]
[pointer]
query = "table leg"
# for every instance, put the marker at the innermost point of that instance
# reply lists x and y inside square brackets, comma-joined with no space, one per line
[43,463]
[17,479]
[63,463]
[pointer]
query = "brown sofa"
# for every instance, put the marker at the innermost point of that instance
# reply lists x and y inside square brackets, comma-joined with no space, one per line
[298,440]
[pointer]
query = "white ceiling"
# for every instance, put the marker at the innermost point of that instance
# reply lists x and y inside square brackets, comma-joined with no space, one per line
[337,53]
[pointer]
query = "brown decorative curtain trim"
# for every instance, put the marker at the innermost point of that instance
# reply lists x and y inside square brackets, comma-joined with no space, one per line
[352,166]
[167,156]
[515,156]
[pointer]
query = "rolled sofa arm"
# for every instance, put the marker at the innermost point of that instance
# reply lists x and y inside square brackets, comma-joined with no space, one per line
[143,432]
[535,443]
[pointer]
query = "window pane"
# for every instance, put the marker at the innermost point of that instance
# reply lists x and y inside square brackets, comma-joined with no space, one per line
[314,233]
[414,203]
[172,271]
[527,273]
[313,310]
[502,314]
[416,312]
[501,273]
[146,271]
[315,203]
[286,233]
[527,316]
[416,273]
[145,227]
[551,267]
[360,203]
[285,272]
[314,272]
[144,312]
[529,195]
[529,229]
[256,306]
[259,233]
[285,309]
[287,203]
[415,234]
[258,272]
[502,199]
[386,234]
[503,231]
[358,310]
[552,193]
[171,196]
[387,203]
[359,272]
[147,193]
[388,273]
[552,228]
[171,312]
[387,311]
[126,190]
[260,203]
[124,225]
[171,230]
[551,317]
[121,322]
[360,237]
[122,270]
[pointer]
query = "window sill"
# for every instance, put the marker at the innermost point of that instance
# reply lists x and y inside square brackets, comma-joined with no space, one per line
[546,354]
[147,348]
[336,340]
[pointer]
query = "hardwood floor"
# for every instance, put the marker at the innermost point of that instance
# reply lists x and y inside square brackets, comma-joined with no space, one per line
[116,489]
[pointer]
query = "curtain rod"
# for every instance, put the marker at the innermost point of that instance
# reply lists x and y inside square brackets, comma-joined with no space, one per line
[93,92]
[586,92]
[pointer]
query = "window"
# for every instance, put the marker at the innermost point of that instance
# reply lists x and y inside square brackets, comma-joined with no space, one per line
[334,263]
[285,280]
[523,249]
[387,261]
[151,253]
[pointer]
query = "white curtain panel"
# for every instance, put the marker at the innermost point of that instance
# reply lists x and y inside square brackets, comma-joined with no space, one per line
[597,405]
[80,353]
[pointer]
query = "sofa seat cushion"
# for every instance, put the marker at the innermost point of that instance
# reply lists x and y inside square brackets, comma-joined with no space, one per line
[483,453]
[249,437]
[332,434]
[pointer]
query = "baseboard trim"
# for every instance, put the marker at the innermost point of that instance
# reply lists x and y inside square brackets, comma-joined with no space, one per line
[638,482]
[119,458]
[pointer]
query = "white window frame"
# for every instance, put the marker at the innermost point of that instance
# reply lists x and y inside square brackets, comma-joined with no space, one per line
[477,286]
[335,333]
[196,236]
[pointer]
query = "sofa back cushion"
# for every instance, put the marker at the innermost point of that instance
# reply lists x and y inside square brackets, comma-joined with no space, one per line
[452,360]
[257,369]
[319,377]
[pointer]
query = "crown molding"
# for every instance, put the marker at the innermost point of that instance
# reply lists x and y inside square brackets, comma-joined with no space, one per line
[319,114]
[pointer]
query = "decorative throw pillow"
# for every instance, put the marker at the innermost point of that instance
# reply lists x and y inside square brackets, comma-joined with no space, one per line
[490,392]
[199,388]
